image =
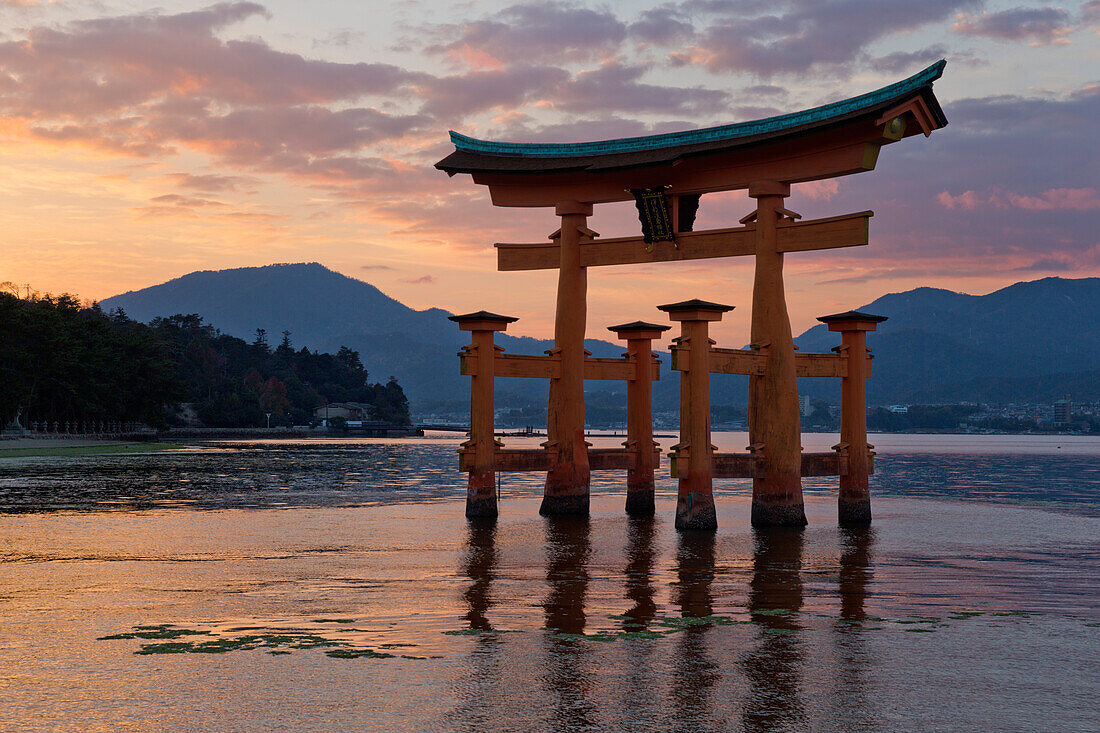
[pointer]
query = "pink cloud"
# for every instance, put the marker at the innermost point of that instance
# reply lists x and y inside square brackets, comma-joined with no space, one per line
[1071,199]
[818,190]
[422,280]
[149,83]
[1054,199]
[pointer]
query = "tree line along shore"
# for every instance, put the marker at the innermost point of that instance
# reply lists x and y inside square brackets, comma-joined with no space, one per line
[67,365]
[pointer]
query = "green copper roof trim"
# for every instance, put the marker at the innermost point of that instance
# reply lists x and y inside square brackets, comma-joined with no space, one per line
[706,135]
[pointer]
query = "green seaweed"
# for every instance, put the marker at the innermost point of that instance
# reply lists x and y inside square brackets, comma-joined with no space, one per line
[155,632]
[275,643]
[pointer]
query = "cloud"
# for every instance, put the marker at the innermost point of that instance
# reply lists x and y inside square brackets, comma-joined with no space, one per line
[615,86]
[1018,190]
[765,90]
[1054,199]
[149,83]
[1047,264]
[902,61]
[530,33]
[663,25]
[804,35]
[459,95]
[375,267]
[422,280]
[207,183]
[1043,26]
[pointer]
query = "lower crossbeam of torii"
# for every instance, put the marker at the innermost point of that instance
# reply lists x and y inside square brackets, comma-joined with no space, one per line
[674,170]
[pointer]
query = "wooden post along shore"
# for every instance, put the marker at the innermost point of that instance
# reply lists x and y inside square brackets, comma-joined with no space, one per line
[667,175]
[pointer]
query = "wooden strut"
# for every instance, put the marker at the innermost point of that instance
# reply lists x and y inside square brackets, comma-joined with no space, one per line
[849,230]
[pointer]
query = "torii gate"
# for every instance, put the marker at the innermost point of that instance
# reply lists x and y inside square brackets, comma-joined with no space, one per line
[666,175]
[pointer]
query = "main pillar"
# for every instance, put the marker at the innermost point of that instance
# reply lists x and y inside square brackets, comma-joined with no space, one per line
[567,481]
[639,338]
[774,428]
[481,494]
[855,496]
[693,459]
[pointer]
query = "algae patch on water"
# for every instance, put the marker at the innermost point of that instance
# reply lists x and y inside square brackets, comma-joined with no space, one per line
[276,643]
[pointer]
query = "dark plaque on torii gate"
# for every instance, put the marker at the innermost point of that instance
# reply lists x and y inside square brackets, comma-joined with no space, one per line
[763,156]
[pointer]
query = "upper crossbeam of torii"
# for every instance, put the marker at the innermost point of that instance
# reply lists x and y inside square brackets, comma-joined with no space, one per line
[666,175]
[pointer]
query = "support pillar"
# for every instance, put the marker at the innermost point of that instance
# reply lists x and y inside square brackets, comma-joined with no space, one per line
[567,482]
[775,431]
[855,497]
[693,457]
[478,455]
[639,338]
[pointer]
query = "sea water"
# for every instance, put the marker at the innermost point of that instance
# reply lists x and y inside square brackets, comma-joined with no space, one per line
[335,584]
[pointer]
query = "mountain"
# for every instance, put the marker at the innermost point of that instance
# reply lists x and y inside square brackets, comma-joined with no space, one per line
[324,310]
[1025,342]
[1031,341]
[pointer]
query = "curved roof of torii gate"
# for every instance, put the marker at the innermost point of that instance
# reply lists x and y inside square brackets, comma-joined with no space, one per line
[754,143]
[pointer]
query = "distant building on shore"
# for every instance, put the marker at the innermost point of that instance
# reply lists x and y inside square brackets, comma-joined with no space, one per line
[1062,410]
[349,411]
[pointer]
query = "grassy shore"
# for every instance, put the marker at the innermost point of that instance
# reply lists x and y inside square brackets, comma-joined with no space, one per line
[43,448]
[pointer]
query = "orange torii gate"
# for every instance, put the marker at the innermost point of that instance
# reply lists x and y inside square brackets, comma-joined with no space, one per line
[666,175]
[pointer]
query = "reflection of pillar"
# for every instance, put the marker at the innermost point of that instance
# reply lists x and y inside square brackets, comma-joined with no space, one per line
[481,497]
[642,661]
[639,574]
[774,667]
[566,489]
[693,456]
[480,567]
[567,551]
[855,571]
[484,676]
[774,427]
[567,554]
[639,338]
[855,496]
[852,700]
[694,673]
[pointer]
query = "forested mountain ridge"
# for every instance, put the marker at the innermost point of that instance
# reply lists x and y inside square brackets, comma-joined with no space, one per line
[1025,342]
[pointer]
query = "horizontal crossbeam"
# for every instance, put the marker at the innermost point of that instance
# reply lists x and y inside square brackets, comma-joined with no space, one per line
[549,367]
[849,230]
[745,465]
[753,363]
[517,460]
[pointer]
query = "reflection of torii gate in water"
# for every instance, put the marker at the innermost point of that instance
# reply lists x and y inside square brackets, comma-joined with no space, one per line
[666,174]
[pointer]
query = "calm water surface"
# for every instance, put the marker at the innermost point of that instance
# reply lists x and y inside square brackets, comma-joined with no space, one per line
[336,584]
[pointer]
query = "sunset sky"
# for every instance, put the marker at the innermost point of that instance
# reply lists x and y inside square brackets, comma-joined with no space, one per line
[140,142]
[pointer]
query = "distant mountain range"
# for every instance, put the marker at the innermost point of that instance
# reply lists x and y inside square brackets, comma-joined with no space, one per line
[1032,341]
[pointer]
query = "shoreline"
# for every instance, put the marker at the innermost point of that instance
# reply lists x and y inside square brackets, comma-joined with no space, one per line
[62,446]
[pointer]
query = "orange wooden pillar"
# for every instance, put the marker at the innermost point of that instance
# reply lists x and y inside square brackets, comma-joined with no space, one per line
[775,431]
[639,338]
[692,460]
[478,455]
[855,497]
[566,490]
